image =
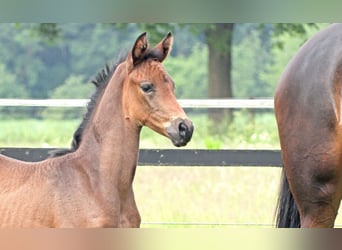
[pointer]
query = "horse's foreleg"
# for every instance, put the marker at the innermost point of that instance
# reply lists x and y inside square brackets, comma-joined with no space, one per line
[317,195]
[319,213]
[129,215]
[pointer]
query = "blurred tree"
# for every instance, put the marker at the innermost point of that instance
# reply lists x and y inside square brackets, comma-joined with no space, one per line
[293,29]
[219,39]
[48,32]
[74,87]
[217,36]
[189,72]
[284,42]
[251,54]
[18,52]
[9,87]
[41,60]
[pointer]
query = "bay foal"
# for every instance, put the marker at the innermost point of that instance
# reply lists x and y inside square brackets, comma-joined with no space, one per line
[90,185]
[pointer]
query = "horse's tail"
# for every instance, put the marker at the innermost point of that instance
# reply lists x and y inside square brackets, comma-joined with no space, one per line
[287,214]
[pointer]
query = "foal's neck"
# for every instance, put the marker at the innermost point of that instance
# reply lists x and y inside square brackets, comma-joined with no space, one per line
[111,142]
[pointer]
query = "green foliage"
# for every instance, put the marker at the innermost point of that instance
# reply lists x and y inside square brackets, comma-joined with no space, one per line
[249,57]
[219,36]
[18,51]
[292,29]
[39,58]
[282,55]
[40,66]
[258,61]
[74,87]
[212,142]
[90,46]
[49,32]
[9,86]
[190,73]
[82,49]
[253,130]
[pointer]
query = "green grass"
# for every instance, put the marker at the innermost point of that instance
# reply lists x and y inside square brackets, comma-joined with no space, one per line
[244,133]
[36,133]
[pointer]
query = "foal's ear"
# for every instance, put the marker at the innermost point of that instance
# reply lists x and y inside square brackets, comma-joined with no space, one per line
[139,49]
[162,49]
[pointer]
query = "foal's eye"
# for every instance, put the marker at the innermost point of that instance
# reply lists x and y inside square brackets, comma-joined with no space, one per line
[147,87]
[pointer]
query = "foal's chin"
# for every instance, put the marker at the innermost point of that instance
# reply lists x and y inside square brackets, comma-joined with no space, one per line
[179,142]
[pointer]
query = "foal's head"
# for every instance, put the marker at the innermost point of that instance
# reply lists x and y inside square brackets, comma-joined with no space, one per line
[149,92]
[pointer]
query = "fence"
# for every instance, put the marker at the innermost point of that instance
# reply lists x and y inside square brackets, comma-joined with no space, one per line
[185,103]
[174,157]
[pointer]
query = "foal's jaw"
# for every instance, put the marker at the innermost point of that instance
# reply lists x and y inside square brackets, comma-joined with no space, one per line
[179,131]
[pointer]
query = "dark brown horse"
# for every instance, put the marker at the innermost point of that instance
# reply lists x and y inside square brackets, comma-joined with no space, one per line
[90,185]
[308,108]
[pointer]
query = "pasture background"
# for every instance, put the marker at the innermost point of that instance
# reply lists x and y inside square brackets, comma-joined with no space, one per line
[179,196]
[185,196]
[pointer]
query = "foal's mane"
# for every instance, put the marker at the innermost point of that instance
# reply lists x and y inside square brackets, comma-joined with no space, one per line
[100,81]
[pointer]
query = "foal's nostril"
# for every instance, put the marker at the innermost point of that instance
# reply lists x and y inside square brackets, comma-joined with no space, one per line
[180,131]
[183,128]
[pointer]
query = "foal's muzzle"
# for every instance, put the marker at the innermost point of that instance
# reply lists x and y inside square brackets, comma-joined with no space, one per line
[180,131]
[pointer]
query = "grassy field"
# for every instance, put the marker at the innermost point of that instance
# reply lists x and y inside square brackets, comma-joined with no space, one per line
[206,196]
[244,133]
[185,196]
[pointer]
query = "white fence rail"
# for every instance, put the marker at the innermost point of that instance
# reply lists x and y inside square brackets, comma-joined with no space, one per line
[185,103]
